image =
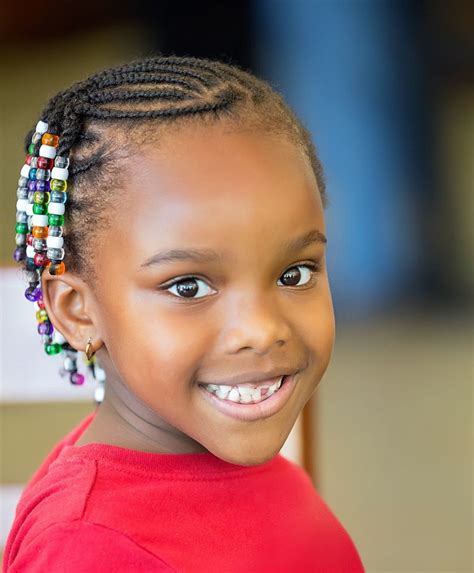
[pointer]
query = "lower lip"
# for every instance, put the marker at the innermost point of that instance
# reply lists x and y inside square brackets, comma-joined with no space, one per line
[252,412]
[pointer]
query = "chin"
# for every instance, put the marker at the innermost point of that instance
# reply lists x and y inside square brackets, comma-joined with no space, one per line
[245,454]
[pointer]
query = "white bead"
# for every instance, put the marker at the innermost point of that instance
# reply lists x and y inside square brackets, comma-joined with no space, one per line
[56,208]
[22,204]
[99,394]
[25,170]
[30,251]
[29,209]
[54,242]
[41,127]
[58,337]
[99,374]
[59,173]
[47,151]
[40,220]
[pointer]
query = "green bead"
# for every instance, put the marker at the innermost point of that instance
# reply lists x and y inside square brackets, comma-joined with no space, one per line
[31,148]
[55,220]
[39,209]
[22,228]
[53,348]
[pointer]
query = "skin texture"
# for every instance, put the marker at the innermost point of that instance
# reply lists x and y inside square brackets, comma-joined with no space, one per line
[242,194]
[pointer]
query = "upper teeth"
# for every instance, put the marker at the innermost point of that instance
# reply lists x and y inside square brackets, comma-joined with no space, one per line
[244,394]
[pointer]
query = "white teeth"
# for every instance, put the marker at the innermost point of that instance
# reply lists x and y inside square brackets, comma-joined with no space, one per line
[234,395]
[246,395]
[222,391]
[243,394]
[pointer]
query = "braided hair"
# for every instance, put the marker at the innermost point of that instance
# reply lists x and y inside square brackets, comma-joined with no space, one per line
[97,121]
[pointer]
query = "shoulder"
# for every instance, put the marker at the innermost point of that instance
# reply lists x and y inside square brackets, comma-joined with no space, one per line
[79,546]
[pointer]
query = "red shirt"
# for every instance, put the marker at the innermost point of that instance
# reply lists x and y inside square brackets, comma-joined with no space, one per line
[104,508]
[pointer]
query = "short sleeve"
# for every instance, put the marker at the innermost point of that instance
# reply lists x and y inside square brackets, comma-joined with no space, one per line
[82,547]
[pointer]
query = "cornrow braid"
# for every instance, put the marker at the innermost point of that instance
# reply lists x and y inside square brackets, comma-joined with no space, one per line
[77,131]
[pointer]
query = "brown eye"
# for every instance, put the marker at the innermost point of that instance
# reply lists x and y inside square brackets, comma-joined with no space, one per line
[293,275]
[188,288]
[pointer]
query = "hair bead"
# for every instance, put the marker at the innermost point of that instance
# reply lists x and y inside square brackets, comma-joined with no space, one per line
[54,242]
[40,220]
[55,220]
[55,254]
[25,170]
[58,185]
[39,209]
[48,151]
[50,139]
[21,204]
[41,127]
[59,173]
[56,208]
[58,197]
[56,268]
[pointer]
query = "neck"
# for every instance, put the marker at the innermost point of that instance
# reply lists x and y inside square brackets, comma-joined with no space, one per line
[126,421]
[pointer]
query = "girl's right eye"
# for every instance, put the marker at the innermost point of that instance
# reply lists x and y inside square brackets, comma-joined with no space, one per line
[188,288]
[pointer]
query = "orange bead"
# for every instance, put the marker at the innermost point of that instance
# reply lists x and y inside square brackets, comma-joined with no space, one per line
[56,268]
[39,232]
[50,139]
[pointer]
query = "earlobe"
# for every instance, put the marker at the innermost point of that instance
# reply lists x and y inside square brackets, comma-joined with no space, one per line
[69,303]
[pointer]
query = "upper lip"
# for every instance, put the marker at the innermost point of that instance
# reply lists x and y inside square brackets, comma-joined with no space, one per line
[251,377]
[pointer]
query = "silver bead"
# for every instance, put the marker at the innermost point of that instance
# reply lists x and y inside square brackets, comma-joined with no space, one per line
[55,254]
[20,239]
[39,244]
[55,231]
[33,276]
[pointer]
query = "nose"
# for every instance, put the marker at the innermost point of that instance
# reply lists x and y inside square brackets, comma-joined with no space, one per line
[255,324]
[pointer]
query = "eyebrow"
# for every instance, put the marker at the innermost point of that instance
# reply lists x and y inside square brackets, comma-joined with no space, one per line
[209,255]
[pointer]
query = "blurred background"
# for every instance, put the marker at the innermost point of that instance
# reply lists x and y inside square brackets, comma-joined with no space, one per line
[387,89]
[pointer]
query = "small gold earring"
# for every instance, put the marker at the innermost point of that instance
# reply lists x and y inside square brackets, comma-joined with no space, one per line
[89,350]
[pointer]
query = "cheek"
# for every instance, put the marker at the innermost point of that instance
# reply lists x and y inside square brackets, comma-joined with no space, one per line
[317,327]
[153,347]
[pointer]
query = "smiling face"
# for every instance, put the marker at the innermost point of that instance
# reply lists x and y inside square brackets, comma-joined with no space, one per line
[246,303]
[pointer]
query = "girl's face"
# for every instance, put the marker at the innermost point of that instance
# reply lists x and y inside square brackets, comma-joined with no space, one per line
[217,211]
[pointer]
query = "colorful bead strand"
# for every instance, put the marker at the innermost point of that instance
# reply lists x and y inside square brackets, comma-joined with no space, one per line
[40,209]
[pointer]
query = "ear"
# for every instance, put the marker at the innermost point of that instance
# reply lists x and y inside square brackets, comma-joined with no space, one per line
[72,309]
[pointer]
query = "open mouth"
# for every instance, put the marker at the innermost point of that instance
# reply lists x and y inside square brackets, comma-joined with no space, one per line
[246,393]
[250,402]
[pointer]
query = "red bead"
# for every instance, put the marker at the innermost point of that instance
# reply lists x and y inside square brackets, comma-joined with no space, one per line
[29,239]
[40,259]
[45,163]
[40,303]
[28,159]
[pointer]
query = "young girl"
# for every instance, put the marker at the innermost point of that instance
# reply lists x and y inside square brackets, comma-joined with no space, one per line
[170,222]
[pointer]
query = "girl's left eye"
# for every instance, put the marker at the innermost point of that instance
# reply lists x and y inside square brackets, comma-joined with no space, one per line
[189,287]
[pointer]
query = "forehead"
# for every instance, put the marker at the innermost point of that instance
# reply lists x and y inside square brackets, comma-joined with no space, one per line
[206,182]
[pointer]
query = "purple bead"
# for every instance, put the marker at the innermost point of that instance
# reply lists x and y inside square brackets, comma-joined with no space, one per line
[29,294]
[32,185]
[42,186]
[19,254]
[33,293]
[45,327]
[77,378]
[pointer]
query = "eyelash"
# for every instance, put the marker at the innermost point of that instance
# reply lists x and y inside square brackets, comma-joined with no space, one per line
[314,269]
